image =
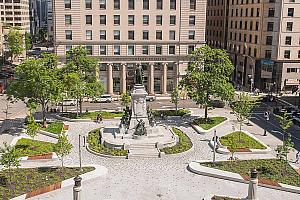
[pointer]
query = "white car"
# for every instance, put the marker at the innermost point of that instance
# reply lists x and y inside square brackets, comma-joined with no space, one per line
[106,98]
[68,102]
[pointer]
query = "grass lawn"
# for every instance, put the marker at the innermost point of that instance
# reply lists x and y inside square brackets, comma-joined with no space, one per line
[246,141]
[180,112]
[223,198]
[210,123]
[271,169]
[184,143]
[93,115]
[29,147]
[30,179]
[94,144]
[55,127]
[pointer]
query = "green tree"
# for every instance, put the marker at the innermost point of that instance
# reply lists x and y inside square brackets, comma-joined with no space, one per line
[63,147]
[175,97]
[32,125]
[232,147]
[28,41]
[15,43]
[126,99]
[37,81]
[208,76]
[285,122]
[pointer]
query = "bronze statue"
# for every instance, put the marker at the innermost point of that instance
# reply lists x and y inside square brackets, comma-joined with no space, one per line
[140,128]
[139,75]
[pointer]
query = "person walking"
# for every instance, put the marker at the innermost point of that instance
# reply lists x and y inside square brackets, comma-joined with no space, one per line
[97,118]
[297,157]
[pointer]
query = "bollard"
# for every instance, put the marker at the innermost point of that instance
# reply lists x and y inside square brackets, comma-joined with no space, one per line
[253,183]
[77,188]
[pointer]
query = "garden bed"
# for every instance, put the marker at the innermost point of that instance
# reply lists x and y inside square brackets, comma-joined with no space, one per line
[93,115]
[209,123]
[272,170]
[182,145]
[180,112]
[55,128]
[96,146]
[28,180]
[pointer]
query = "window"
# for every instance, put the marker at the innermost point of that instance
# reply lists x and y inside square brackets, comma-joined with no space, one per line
[269,40]
[255,52]
[268,54]
[271,12]
[256,39]
[68,20]
[172,4]
[252,12]
[158,35]
[88,35]
[103,19]
[131,20]
[245,37]
[257,12]
[193,4]
[241,24]
[251,25]
[250,38]
[270,26]
[68,34]
[89,49]
[116,19]
[130,4]
[256,26]
[145,35]
[289,26]
[173,20]
[272,1]
[246,25]
[158,20]
[191,48]
[298,53]
[88,19]
[117,50]
[102,50]
[192,20]
[288,40]
[130,35]
[102,4]
[145,50]
[68,48]
[116,35]
[171,35]
[68,4]
[130,50]
[172,49]
[191,35]
[158,49]
[291,12]
[145,19]
[287,54]
[159,4]
[102,35]
[88,4]
[116,4]
[145,4]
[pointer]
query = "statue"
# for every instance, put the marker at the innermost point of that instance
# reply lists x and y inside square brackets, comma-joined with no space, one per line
[139,75]
[140,128]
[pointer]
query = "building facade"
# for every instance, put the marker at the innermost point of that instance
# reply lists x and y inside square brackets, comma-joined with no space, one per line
[263,39]
[156,34]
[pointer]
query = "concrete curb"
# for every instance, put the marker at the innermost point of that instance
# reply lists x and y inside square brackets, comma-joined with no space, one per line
[200,130]
[99,171]
[197,168]
[46,133]
[103,155]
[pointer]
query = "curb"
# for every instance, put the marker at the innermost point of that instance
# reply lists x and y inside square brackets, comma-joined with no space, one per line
[99,171]
[200,130]
[46,133]
[103,155]
[196,168]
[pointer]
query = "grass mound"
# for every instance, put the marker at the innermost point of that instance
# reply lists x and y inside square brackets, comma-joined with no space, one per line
[209,123]
[55,127]
[29,147]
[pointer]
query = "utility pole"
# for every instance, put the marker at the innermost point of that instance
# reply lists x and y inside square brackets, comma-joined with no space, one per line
[215,140]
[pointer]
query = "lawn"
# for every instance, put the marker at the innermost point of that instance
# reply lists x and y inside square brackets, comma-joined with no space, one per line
[271,169]
[29,179]
[94,144]
[179,112]
[93,115]
[209,123]
[29,147]
[55,127]
[184,143]
[245,142]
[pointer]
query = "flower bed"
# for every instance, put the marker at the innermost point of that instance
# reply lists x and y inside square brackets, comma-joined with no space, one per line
[92,115]
[29,147]
[180,112]
[209,123]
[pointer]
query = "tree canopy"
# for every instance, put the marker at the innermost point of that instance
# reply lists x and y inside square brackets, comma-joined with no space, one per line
[15,42]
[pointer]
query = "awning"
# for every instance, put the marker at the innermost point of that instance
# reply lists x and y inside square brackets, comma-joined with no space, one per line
[291,82]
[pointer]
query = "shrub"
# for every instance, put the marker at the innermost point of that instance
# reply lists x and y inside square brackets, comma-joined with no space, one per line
[55,127]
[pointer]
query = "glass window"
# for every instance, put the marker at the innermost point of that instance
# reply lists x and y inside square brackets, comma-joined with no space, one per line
[145,4]
[298,53]
[117,50]
[68,4]
[88,19]
[158,49]
[172,49]
[172,4]
[192,20]
[130,4]
[103,19]
[291,12]
[88,35]
[89,49]
[159,4]
[102,4]
[145,50]
[131,20]
[88,4]
[145,19]
[172,19]
[287,54]
[102,35]
[193,4]
[68,34]
[116,35]
[191,35]
[158,20]
[270,26]
[68,48]
[102,50]
[116,4]
[256,26]
[130,35]
[269,40]
[289,26]
[145,35]
[103,66]
[68,19]
[268,54]
[288,40]
[159,35]
[271,12]
[191,48]
[130,50]
[257,12]
[172,35]
[117,20]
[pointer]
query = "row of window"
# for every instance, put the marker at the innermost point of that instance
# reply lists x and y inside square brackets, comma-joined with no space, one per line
[131,35]
[287,54]
[238,49]
[238,37]
[131,49]
[130,67]
[131,4]
[237,2]
[293,70]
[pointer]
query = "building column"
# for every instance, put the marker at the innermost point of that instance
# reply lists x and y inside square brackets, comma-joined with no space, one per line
[164,79]
[176,74]
[151,78]
[123,78]
[110,81]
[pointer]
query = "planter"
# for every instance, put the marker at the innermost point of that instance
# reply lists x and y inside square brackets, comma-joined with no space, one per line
[200,130]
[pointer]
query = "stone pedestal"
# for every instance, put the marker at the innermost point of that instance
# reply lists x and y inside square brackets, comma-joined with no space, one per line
[253,183]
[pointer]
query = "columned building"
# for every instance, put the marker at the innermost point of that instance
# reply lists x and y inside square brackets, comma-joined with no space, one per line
[155,34]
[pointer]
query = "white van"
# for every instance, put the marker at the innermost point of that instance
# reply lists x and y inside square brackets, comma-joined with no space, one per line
[68,102]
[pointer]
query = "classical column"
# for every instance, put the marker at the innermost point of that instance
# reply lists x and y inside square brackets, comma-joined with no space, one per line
[110,81]
[123,78]
[151,78]
[164,78]
[176,74]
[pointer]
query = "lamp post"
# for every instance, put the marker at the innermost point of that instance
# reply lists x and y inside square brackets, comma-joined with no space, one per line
[79,152]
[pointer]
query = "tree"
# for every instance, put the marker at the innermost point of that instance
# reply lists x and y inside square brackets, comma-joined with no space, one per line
[208,76]
[15,43]
[232,147]
[28,41]
[285,122]
[126,99]
[32,125]
[175,97]
[36,80]
[63,147]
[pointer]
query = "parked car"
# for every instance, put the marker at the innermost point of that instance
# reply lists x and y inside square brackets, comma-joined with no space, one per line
[68,102]
[106,98]
[218,104]
[150,98]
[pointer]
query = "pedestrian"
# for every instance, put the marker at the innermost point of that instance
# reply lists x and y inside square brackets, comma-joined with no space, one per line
[162,115]
[297,157]
[97,118]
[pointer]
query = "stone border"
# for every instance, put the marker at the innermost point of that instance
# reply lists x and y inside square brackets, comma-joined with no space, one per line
[252,151]
[98,171]
[197,168]
[200,130]
[103,155]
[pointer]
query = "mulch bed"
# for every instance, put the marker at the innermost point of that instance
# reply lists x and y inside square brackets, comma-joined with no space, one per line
[241,150]
[41,156]
[263,181]
[43,190]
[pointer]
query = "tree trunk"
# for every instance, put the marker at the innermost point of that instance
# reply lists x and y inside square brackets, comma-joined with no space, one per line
[205,112]
[44,114]
[80,104]
[77,106]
